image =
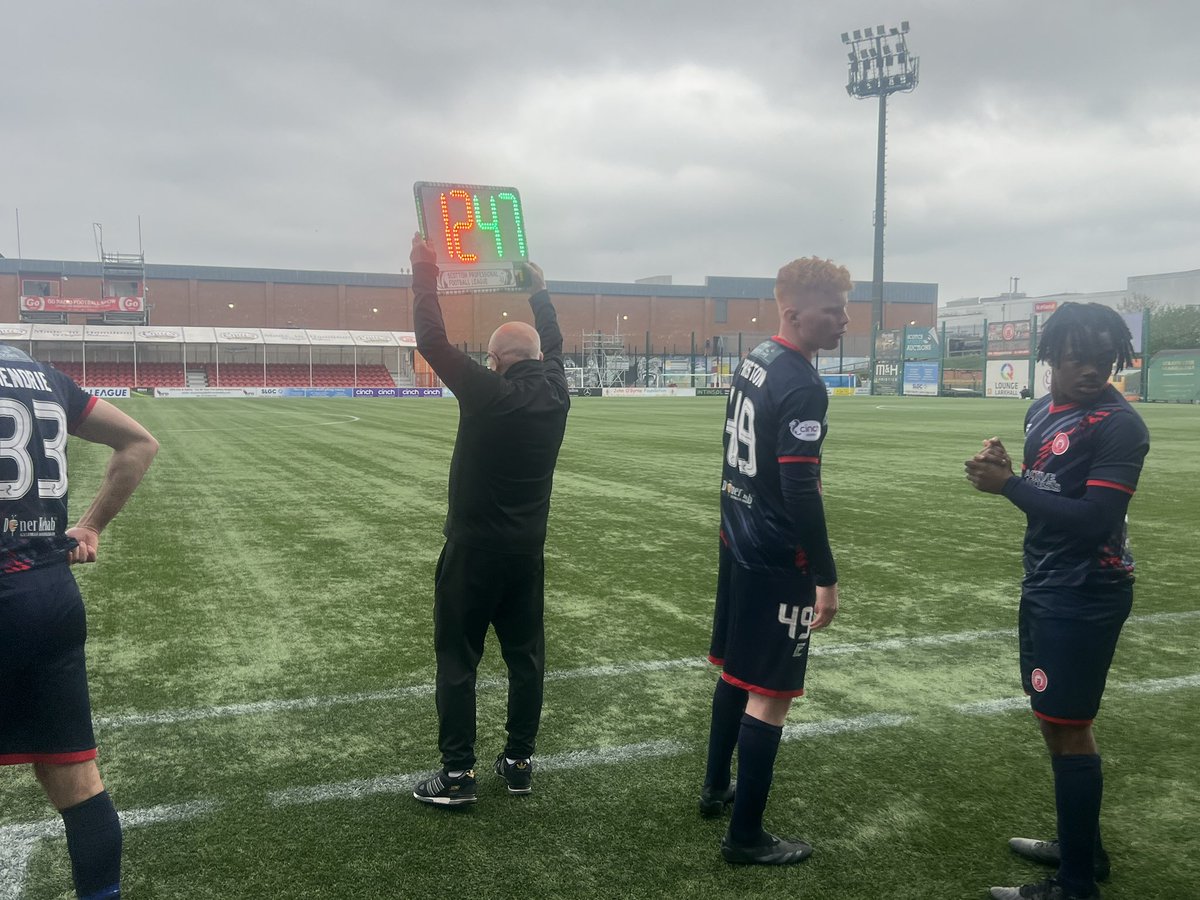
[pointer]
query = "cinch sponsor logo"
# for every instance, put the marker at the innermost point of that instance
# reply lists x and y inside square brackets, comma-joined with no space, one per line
[363,392]
[386,392]
[410,392]
[805,431]
[431,392]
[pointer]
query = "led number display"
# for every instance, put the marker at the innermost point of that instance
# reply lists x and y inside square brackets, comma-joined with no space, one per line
[478,232]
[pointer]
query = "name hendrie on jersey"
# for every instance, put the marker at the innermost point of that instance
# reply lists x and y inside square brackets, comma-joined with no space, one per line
[24,378]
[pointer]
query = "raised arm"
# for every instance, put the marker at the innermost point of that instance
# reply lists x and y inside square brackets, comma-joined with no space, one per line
[465,377]
[134,449]
[545,320]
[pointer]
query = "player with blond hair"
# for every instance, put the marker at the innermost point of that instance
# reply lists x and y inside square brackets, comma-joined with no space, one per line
[777,580]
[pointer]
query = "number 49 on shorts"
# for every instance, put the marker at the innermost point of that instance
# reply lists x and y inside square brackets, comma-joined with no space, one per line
[797,617]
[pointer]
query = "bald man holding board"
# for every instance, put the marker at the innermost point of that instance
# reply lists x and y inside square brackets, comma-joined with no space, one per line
[512,415]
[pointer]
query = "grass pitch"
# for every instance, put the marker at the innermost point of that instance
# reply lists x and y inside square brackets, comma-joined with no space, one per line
[261,666]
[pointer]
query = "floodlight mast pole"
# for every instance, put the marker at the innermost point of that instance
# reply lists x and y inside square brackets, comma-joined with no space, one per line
[876,70]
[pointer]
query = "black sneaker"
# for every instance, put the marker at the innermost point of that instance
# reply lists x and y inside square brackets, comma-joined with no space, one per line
[518,775]
[773,851]
[714,801]
[1047,853]
[446,791]
[1049,889]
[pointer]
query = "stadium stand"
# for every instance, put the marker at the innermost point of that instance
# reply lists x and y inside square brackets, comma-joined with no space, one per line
[296,375]
[109,374]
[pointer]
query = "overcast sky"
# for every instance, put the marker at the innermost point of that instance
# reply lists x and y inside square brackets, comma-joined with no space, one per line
[1056,141]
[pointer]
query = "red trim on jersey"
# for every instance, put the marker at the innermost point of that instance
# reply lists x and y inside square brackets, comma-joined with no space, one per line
[716,662]
[1063,408]
[1110,484]
[87,411]
[1058,721]
[786,343]
[766,692]
[54,759]
[799,459]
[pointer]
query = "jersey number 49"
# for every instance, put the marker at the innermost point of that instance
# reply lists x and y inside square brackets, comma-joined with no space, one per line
[740,429]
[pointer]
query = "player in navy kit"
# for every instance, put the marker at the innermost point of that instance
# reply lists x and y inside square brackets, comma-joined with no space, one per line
[45,715]
[1084,447]
[777,580]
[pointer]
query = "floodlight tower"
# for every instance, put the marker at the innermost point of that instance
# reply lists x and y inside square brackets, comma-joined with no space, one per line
[880,64]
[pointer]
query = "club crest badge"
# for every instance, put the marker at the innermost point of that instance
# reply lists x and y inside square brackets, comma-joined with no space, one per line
[1039,680]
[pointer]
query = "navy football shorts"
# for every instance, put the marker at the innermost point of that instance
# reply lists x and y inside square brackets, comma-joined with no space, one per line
[1067,638]
[45,715]
[761,628]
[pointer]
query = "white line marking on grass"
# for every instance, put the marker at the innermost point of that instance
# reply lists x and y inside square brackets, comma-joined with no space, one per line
[1153,618]
[607,670]
[988,707]
[264,707]
[346,420]
[928,640]
[803,730]
[1147,686]
[1160,685]
[403,784]
[17,842]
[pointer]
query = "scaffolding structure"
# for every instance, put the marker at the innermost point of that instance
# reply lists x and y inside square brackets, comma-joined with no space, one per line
[122,275]
[605,361]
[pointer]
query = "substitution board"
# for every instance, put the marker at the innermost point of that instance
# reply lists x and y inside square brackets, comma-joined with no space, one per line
[478,231]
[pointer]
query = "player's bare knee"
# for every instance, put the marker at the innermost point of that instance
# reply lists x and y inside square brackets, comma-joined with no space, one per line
[1068,740]
[71,784]
[773,710]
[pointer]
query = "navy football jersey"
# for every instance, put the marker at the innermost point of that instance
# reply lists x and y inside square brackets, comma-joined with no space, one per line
[776,416]
[1067,449]
[39,407]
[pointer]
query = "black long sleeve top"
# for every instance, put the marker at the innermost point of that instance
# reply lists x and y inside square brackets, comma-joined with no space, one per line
[510,428]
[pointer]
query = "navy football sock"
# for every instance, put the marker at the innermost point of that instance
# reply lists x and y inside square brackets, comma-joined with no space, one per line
[1078,788]
[94,842]
[758,742]
[728,704]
